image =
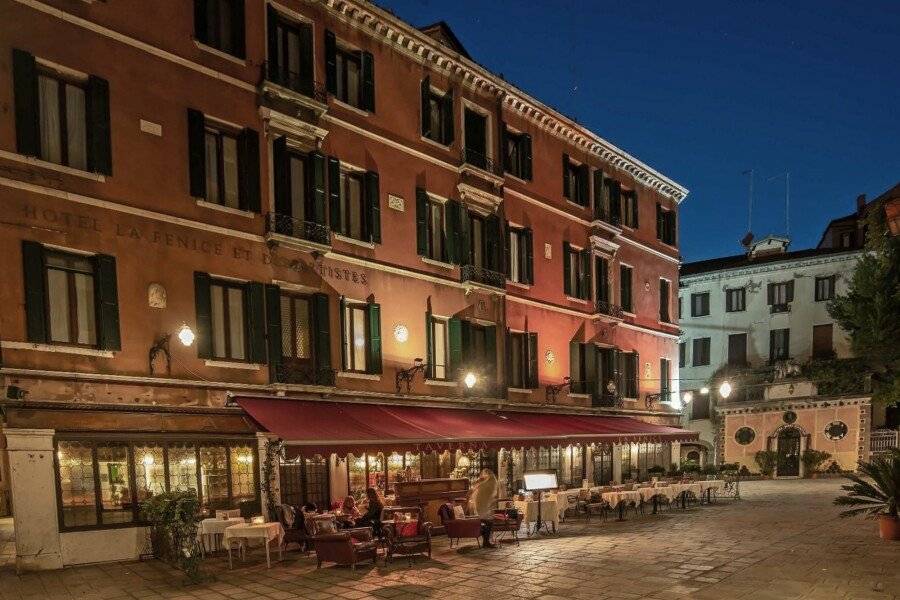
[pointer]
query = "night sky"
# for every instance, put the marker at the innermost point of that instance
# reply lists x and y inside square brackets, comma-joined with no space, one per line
[703,91]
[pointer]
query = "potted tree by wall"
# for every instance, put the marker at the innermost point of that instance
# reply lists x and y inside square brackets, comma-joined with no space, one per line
[812,460]
[875,492]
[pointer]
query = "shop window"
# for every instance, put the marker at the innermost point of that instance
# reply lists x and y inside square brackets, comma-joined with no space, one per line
[149,471]
[306,481]
[242,477]
[116,501]
[77,484]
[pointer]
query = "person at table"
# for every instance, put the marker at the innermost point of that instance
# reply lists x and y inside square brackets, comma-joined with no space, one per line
[372,518]
[349,512]
[482,497]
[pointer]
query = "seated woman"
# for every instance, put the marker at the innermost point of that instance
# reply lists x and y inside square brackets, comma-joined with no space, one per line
[482,497]
[349,512]
[372,518]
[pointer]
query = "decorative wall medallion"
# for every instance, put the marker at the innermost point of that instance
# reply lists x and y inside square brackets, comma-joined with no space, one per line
[836,430]
[396,203]
[156,295]
[744,436]
[790,417]
[401,332]
[549,356]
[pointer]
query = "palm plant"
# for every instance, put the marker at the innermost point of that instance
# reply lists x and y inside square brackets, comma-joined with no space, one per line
[876,490]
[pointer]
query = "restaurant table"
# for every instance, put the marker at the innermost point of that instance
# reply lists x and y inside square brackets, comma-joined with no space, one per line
[706,487]
[529,511]
[563,501]
[262,531]
[620,498]
[681,490]
[228,513]
[211,529]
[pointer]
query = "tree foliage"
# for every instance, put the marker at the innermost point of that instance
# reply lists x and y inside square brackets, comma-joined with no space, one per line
[870,310]
[876,490]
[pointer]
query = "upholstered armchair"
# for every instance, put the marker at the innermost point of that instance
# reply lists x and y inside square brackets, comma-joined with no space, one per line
[405,538]
[461,526]
[347,547]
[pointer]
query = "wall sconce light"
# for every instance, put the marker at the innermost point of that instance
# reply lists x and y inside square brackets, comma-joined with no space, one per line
[553,390]
[407,375]
[470,380]
[704,390]
[185,336]
[725,389]
[401,333]
[687,397]
[550,356]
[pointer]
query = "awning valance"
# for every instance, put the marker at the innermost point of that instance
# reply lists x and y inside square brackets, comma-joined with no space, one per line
[322,427]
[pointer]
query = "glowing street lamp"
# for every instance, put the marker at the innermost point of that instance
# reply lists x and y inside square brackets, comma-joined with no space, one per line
[704,390]
[725,389]
[687,397]
[186,335]
[470,380]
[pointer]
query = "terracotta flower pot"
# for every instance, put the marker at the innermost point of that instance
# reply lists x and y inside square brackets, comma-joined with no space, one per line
[889,527]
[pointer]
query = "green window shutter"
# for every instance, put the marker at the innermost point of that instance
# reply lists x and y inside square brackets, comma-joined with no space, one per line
[490,351]
[342,308]
[373,200]
[367,92]
[25,90]
[322,341]
[107,302]
[600,211]
[203,306]
[575,365]
[98,133]
[770,297]
[602,283]
[463,239]
[451,238]
[590,369]
[421,222]
[493,243]
[584,174]
[317,188]
[567,193]
[35,290]
[273,329]
[673,224]
[529,255]
[429,346]
[426,107]
[454,341]
[507,258]
[248,164]
[197,152]
[567,270]
[307,69]
[255,310]
[201,28]
[238,29]
[281,174]
[584,283]
[334,193]
[634,209]
[526,157]
[532,355]
[660,226]
[615,201]
[273,58]
[448,116]
[373,358]
[330,62]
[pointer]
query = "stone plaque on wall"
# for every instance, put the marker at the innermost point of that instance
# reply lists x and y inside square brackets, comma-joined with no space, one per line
[156,295]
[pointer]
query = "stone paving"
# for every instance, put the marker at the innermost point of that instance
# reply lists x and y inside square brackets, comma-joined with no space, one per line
[783,540]
[7,542]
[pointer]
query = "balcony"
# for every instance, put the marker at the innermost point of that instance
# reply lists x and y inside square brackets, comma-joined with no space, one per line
[479,166]
[482,277]
[607,400]
[882,441]
[609,309]
[303,235]
[604,216]
[291,93]
[304,375]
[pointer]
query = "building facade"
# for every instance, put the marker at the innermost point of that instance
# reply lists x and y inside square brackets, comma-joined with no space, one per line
[301,200]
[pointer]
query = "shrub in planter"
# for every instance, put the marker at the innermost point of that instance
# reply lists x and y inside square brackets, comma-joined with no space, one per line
[690,466]
[656,470]
[173,520]
[766,461]
[729,467]
[812,460]
[875,493]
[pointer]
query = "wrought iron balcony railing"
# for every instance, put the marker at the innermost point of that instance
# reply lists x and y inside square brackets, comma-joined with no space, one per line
[277,74]
[304,375]
[480,160]
[297,228]
[602,214]
[607,308]
[483,276]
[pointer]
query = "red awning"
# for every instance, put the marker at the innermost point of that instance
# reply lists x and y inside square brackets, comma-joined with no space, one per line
[322,427]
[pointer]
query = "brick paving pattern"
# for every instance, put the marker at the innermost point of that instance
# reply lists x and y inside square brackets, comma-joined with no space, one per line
[784,540]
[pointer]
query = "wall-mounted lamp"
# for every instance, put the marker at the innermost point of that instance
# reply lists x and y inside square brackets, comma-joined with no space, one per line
[185,336]
[704,390]
[470,380]
[725,389]
[407,375]
[553,390]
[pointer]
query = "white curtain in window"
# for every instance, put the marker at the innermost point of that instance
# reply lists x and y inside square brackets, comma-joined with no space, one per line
[230,168]
[353,206]
[218,321]
[298,188]
[75,127]
[513,256]
[236,322]
[437,230]
[48,90]
[85,311]
[353,83]
[439,354]
[58,295]
[359,339]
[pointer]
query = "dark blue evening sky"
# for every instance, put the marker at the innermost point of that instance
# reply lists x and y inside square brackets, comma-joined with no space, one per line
[703,91]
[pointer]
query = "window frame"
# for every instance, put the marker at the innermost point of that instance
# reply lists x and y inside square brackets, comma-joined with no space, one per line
[227,284]
[347,335]
[786,333]
[437,101]
[62,81]
[629,307]
[165,442]
[445,322]
[220,132]
[344,55]
[213,35]
[574,173]
[831,280]
[704,300]
[705,346]
[436,204]
[72,309]
[291,297]
[665,301]
[731,294]
[348,174]
[515,140]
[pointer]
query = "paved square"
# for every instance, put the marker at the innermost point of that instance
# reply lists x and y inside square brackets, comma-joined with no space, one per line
[784,540]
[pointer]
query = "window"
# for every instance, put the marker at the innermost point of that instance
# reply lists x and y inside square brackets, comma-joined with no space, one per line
[779,344]
[630,372]
[608,200]
[682,354]
[437,114]
[700,304]
[836,430]
[846,240]
[476,143]
[436,232]
[575,181]
[70,299]
[699,406]
[349,74]
[354,202]
[825,288]
[60,117]
[780,295]
[665,379]
[664,300]
[102,483]
[735,300]
[290,53]
[701,352]
[228,321]
[601,295]
[296,329]
[305,480]
[576,272]
[223,163]
[737,349]
[822,344]
[625,273]
[439,353]
[220,24]
[300,195]
[517,154]
[519,257]
[744,436]
[522,360]
[352,205]
[629,210]
[361,324]
[666,228]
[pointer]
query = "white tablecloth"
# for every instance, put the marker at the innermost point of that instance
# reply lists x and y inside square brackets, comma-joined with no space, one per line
[678,488]
[712,484]
[228,513]
[614,498]
[563,502]
[261,531]
[529,510]
[215,525]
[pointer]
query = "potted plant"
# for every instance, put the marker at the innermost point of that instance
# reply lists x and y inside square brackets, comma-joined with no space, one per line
[812,460]
[876,493]
[766,461]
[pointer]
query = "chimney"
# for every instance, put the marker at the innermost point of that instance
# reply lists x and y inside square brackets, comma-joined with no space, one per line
[860,203]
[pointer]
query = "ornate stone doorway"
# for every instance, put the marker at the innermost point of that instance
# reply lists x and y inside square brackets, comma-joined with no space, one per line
[788,450]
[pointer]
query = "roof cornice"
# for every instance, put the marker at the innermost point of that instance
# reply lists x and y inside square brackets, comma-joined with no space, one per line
[402,36]
[769,267]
